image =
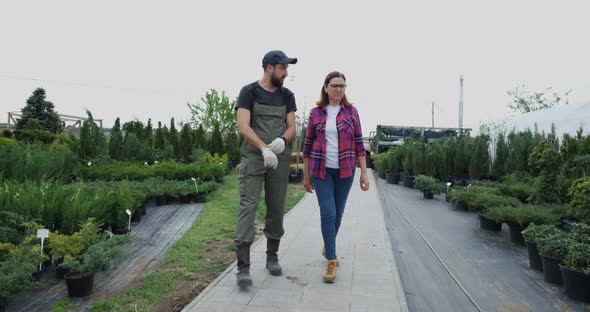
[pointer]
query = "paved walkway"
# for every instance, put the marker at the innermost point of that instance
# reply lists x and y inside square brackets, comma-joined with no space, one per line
[367,279]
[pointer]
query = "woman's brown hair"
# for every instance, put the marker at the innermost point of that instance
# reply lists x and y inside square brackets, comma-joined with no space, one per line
[324,100]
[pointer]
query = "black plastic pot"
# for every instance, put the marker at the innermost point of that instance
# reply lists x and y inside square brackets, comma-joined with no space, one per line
[460,205]
[144,210]
[60,272]
[185,199]
[121,230]
[37,275]
[79,284]
[161,200]
[428,195]
[535,261]
[199,197]
[489,225]
[396,178]
[151,202]
[576,284]
[389,178]
[551,271]
[516,234]
[2,307]
[136,216]
[409,181]
[381,174]
[173,199]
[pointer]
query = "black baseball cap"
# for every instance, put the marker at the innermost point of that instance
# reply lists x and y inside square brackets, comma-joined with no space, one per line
[277,57]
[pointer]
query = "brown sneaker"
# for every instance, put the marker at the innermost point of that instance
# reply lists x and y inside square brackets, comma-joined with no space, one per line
[331,269]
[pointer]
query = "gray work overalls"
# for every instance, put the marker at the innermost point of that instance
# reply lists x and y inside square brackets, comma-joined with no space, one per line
[268,122]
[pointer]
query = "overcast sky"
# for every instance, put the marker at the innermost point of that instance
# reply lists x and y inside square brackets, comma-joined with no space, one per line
[141,59]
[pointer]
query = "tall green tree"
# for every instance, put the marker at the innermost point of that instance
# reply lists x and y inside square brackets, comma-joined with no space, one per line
[185,147]
[462,156]
[149,133]
[480,157]
[232,148]
[116,142]
[92,139]
[214,108]
[216,142]
[160,139]
[173,137]
[545,163]
[525,101]
[136,127]
[501,156]
[201,138]
[39,108]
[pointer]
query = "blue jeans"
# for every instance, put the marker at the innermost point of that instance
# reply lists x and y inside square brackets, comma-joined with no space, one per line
[332,193]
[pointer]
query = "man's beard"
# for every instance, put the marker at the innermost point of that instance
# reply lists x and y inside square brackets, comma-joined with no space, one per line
[277,82]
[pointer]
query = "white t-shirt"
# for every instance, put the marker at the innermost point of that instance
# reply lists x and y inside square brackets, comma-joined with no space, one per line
[332,153]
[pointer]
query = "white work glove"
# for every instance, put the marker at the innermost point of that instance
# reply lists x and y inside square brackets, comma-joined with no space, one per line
[277,146]
[270,159]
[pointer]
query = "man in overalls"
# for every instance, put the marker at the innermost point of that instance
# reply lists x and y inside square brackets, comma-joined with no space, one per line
[266,120]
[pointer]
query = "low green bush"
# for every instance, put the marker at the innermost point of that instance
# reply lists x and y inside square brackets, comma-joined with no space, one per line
[533,232]
[555,245]
[210,168]
[522,214]
[579,206]
[519,190]
[427,184]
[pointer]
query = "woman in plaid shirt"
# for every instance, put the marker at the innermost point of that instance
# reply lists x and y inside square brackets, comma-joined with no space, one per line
[333,143]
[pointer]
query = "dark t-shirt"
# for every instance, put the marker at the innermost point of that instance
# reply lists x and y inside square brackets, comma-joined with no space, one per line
[255,93]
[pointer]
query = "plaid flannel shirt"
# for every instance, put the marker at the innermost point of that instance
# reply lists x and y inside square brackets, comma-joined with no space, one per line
[350,141]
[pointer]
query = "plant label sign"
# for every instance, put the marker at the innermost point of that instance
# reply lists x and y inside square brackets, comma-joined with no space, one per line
[129,213]
[42,233]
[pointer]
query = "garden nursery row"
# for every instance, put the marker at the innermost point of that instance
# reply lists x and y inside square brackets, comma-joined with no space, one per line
[66,203]
[534,183]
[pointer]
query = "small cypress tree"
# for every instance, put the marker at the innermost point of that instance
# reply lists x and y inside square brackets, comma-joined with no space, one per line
[216,143]
[502,154]
[149,133]
[160,139]
[545,162]
[92,139]
[479,162]
[201,138]
[116,142]
[173,137]
[232,149]
[131,147]
[185,147]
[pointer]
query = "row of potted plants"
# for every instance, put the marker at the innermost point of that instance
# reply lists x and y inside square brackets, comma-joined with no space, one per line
[563,257]
[18,263]
[76,257]
[65,207]
[208,168]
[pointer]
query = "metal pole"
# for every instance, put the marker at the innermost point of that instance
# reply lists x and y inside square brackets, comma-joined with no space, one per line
[461,103]
[432,114]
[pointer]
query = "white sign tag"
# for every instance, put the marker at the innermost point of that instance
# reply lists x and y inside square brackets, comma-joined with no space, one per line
[128,211]
[42,233]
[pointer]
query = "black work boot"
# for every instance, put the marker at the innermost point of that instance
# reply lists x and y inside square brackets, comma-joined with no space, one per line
[272,259]
[243,255]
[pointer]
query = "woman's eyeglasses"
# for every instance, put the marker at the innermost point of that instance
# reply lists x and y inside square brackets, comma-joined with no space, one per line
[338,86]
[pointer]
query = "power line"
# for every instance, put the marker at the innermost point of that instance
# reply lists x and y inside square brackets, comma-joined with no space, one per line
[82,84]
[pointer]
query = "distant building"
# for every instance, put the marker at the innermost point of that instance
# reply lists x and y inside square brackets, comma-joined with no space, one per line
[387,136]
